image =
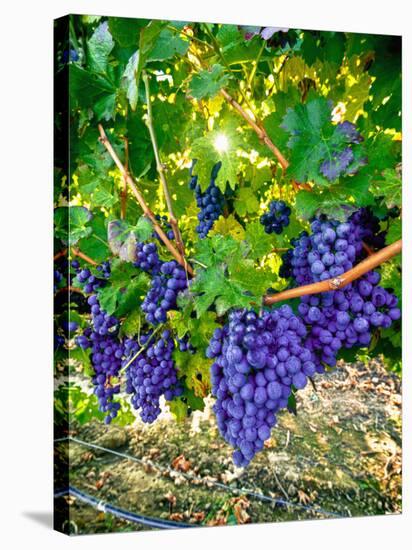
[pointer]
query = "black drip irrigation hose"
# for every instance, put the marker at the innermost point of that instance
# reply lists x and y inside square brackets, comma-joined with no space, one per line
[120,512]
[207,482]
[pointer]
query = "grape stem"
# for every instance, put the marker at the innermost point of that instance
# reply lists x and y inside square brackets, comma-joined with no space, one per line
[160,168]
[141,350]
[87,259]
[372,261]
[123,192]
[139,197]
[60,254]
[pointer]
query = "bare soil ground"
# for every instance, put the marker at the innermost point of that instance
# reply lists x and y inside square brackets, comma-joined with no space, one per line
[340,455]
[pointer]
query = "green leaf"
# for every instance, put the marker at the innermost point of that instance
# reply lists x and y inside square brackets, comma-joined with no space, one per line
[129,80]
[108,297]
[86,88]
[307,203]
[126,31]
[131,325]
[259,242]
[102,197]
[314,140]
[389,187]
[100,45]
[196,369]
[228,226]
[246,202]
[147,42]
[394,232]
[207,83]
[167,45]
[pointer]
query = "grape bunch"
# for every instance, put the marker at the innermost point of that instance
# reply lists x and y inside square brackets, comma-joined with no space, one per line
[346,317]
[163,292]
[257,359]
[276,218]
[151,374]
[210,202]
[101,337]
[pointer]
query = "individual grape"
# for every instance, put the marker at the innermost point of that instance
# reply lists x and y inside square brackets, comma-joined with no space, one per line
[276,218]
[151,374]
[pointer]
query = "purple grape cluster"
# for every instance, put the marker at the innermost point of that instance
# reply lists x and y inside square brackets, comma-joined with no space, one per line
[257,359]
[90,282]
[346,318]
[107,350]
[152,374]
[163,292]
[147,258]
[210,202]
[276,218]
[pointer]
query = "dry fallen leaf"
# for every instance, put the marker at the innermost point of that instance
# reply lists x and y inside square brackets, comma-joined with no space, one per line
[180,463]
[240,505]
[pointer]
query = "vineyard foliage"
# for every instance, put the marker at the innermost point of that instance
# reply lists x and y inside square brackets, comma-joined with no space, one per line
[330,103]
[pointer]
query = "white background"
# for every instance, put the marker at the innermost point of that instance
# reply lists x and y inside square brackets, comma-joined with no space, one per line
[26,126]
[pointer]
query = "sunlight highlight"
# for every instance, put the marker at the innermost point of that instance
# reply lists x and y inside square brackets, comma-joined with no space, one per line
[221,143]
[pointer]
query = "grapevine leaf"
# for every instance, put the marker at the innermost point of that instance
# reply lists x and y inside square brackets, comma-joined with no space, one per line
[167,45]
[394,232]
[207,83]
[126,31]
[228,226]
[129,81]
[306,204]
[246,202]
[389,187]
[100,45]
[259,242]
[320,151]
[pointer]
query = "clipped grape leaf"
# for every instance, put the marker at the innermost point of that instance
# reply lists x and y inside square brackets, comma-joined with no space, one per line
[179,409]
[108,297]
[207,83]
[95,245]
[100,45]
